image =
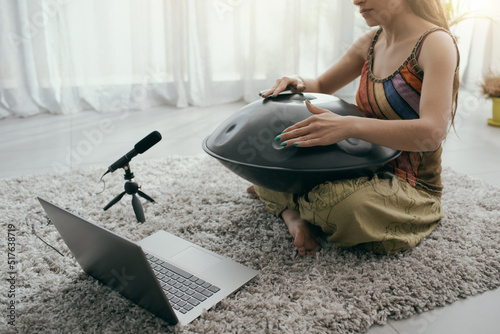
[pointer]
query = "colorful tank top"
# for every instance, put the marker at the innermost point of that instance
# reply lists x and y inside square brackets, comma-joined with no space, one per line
[398,97]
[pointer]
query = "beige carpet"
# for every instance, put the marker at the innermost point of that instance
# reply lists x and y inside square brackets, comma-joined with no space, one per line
[342,291]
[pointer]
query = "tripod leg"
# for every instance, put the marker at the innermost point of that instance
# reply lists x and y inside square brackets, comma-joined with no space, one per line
[143,195]
[114,201]
[139,213]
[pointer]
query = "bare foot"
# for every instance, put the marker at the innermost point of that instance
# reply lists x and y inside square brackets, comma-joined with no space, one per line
[251,191]
[302,232]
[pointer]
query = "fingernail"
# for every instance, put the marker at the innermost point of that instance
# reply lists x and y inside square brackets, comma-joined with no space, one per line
[278,138]
[307,99]
[283,143]
[260,93]
[272,95]
[295,144]
[304,87]
[283,132]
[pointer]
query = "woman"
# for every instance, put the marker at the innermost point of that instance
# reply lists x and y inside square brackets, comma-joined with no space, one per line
[408,91]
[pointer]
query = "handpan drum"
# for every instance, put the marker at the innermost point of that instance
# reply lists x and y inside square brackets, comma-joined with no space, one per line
[245,144]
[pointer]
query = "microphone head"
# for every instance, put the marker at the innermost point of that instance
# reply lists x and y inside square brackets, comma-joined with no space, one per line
[148,141]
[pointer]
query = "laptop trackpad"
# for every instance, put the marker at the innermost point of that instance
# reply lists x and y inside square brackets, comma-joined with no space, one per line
[195,259]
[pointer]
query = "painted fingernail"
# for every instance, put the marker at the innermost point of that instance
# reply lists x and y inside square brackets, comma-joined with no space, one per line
[260,93]
[283,132]
[295,144]
[283,143]
[307,99]
[272,95]
[278,138]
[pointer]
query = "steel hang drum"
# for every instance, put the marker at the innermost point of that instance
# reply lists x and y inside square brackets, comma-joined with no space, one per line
[245,144]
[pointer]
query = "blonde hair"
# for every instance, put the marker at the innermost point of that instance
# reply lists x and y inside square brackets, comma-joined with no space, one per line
[430,10]
[433,12]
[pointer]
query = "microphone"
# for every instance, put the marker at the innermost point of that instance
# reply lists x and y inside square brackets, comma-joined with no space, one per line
[145,144]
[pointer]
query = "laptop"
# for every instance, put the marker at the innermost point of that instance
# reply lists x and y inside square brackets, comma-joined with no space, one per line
[168,276]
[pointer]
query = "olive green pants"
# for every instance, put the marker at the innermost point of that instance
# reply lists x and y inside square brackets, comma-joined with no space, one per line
[381,213]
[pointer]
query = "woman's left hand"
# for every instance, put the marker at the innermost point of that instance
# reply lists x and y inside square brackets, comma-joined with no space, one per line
[322,128]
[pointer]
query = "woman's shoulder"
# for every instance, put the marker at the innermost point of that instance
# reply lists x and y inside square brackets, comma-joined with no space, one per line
[439,34]
[437,40]
[364,42]
[437,45]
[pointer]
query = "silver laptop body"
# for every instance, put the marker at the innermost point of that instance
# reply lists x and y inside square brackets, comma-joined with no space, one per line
[139,271]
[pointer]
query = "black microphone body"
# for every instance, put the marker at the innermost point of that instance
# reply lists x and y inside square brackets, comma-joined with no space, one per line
[123,161]
[145,144]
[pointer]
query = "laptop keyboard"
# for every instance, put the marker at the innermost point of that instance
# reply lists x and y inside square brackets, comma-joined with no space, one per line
[183,290]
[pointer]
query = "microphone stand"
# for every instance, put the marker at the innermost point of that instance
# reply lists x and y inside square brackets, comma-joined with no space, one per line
[131,188]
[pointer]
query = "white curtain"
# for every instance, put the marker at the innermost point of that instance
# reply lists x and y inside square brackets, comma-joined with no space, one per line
[64,56]
[479,43]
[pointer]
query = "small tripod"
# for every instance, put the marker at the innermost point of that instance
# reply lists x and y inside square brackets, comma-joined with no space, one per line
[131,188]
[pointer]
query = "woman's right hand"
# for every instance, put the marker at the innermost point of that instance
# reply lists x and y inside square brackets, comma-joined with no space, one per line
[294,83]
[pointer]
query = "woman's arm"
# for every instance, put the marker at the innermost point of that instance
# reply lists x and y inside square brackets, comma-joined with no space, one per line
[340,74]
[438,60]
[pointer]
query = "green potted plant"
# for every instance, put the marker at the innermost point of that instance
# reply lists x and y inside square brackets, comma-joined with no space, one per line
[491,88]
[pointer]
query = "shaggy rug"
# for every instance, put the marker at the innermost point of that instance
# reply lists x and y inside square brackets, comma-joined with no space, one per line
[339,291]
